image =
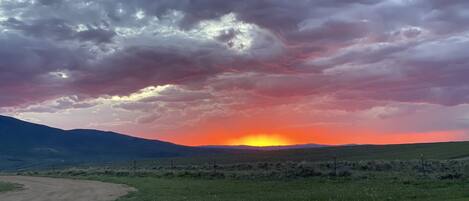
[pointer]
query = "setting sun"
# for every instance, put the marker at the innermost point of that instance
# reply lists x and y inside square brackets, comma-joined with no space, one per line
[260,140]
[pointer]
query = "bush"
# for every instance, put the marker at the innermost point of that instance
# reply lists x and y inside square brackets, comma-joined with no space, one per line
[454,175]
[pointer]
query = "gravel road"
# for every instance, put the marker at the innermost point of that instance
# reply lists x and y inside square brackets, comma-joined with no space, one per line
[49,189]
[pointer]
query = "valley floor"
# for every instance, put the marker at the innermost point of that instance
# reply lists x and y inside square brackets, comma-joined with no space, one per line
[312,189]
[374,180]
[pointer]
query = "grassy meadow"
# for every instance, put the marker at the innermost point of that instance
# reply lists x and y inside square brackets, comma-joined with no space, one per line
[288,180]
[383,188]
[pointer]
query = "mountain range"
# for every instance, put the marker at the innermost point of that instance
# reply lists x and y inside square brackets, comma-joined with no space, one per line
[24,144]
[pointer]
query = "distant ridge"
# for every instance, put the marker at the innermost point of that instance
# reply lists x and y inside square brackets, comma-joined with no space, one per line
[24,144]
[266,148]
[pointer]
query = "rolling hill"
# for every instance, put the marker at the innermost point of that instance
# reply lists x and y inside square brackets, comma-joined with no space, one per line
[429,151]
[24,144]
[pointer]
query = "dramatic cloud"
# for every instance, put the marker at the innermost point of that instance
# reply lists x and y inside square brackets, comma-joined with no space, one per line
[307,69]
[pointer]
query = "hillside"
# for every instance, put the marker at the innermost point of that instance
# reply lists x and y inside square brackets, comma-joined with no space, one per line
[24,144]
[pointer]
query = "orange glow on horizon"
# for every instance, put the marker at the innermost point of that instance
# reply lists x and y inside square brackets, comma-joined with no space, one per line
[261,140]
[391,138]
[319,137]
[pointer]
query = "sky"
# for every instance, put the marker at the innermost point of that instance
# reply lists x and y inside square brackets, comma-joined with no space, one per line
[260,72]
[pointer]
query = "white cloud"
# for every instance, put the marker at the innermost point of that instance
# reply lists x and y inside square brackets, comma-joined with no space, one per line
[140,14]
[146,92]
[60,74]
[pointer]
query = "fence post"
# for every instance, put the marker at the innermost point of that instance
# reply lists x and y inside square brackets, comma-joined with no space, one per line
[214,166]
[422,163]
[134,167]
[335,165]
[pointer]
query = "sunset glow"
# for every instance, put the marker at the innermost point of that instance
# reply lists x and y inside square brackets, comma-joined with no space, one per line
[261,140]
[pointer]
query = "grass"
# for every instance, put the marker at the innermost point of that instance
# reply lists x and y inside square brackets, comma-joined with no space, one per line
[315,189]
[7,187]
[291,181]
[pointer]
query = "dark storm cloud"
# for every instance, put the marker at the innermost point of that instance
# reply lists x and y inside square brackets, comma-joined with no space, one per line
[137,67]
[49,2]
[59,29]
[25,67]
[348,49]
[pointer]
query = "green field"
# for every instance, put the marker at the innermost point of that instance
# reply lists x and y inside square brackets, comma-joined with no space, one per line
[300,190]
[290,181]
[153,189]
[436,172]
[381,187]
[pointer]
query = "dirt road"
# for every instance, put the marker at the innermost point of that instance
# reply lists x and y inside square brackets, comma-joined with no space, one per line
[48,189]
